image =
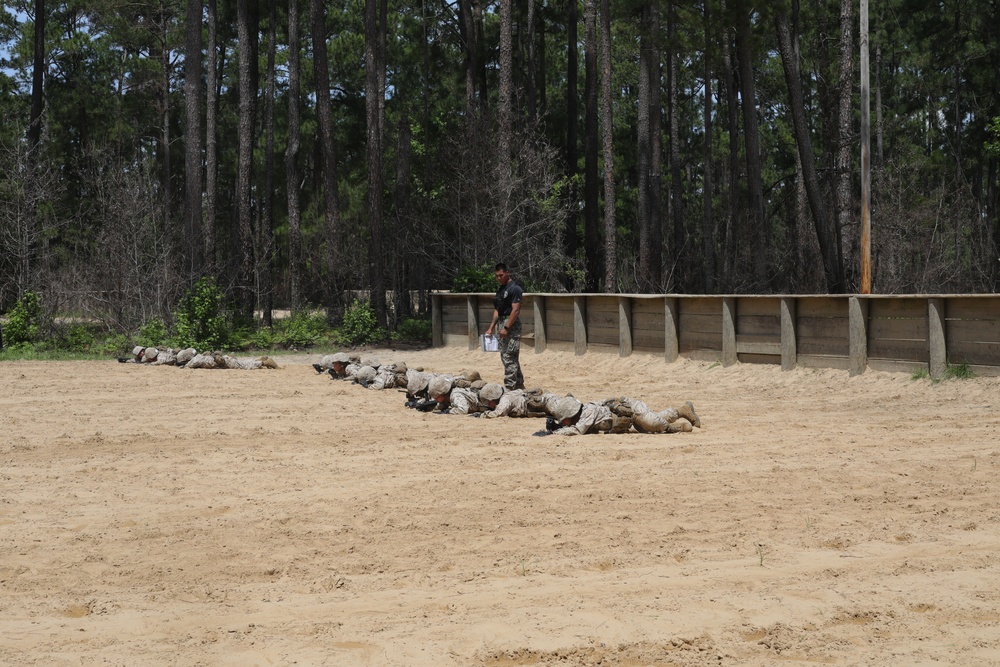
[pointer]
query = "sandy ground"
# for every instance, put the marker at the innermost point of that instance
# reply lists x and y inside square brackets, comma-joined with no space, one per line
[163,516]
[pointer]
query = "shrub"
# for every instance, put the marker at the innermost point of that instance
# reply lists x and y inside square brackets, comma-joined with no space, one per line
[152,333]
[414,329]
[78,338]
[303,329]
[24,320]
[200,321]
[475,279]
[360,326]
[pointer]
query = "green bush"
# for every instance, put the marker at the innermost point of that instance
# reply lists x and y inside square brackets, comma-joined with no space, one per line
[414,329]
[152,333]
[360,326]
[475,279]
[303,329]
[24,320]
[200,321]
[78,338]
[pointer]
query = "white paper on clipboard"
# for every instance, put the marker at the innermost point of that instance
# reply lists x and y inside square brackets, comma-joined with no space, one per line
[489,343]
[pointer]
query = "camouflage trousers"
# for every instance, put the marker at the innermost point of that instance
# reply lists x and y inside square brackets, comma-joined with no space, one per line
[510,353]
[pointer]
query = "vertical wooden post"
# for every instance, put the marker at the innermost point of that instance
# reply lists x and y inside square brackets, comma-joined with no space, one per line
[728,331]
[538,304]
[938,361]
[624,326]
[670,333]
[437,330]
[789,353]
[472,308]
[858,335]
[580,324]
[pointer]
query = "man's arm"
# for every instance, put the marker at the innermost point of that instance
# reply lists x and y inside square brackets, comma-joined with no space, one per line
[515,310]
[496,316]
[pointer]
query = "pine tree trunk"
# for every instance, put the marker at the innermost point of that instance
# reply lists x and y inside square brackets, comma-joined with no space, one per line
[467,28]
[192,141]
[374,36]
[655,151]
[37,78]
[760,238]
[291,159]
[324,113]
[707,221]
[506,99]
[211,154]
[247,28]
[680,252]
[592,243]
[607,135]
[265,241]
[644,222]
[849,235]
[572,114]
[532,62]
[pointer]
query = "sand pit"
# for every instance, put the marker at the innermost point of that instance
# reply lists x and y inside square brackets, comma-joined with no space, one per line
[163,516]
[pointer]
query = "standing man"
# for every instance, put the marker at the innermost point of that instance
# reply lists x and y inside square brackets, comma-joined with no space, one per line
[506,308]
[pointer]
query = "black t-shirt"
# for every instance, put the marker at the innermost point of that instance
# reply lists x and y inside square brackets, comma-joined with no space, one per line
[507,295]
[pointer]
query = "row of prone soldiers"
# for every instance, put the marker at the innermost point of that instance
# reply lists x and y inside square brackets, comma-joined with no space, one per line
[465,393]
[190,358]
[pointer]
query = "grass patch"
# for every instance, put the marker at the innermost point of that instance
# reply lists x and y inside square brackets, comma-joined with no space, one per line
[959,372]
[922,374]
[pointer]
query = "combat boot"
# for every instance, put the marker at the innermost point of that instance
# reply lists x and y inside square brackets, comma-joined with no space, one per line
[319,369]
[621,424]
[268,362]
[687,411]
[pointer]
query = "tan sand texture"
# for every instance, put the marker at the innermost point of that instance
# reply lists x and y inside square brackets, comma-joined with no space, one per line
[164,516]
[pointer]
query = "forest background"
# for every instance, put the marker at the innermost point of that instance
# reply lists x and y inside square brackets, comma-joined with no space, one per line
[157,156]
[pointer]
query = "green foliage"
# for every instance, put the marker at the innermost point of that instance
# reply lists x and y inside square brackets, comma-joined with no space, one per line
[152,333]
[475,279]
[78,338]
[303,329]
[993,147]
[360,327]
[959,372]
[200,321]
[24,320]
[417,329]
[922,374]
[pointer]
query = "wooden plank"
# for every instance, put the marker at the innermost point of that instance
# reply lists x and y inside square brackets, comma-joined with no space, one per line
[757,306]
[896,366]
[559,333]
[758,324]
[602,336]
[457,329]
[559,318]
[900,350]
[701,323]
[648,321]
[561,345]
[648,306]
[559,304]
[983,354]
[453,340]
[702,355]
[699,341]
[986,331]
[602,318]
[647,340]
[822,306]
[769,359]
[822,327]
[983,308]
[822,361]
[602,304]
[758,347]
[904,307]
[898,329]
[838,347]
[700,305]
[789,350]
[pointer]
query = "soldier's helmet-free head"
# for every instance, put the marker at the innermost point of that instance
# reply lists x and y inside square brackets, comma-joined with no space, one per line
[440,386]
[491,392]
[566,408]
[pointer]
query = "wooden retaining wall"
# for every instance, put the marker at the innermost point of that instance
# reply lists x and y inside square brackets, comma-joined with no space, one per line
[894,333]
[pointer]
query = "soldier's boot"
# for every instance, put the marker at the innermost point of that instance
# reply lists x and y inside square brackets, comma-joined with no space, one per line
[620,424]
[268,362]
[332,374]
[319,369]
[426,405]
[122,360]
[679,427]
[687,411]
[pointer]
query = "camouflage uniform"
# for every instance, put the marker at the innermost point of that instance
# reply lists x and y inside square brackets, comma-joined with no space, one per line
[510,345]
[247,363]
[389,376]
[647,420]
[512,404]
[594,418]
[463,401]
